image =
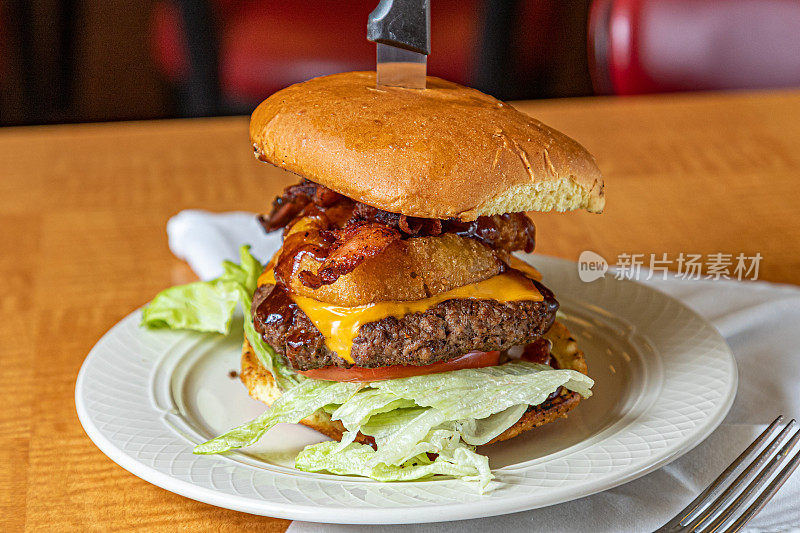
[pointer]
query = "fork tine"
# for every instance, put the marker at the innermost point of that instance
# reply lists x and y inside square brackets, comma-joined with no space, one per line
[753,471]
[767,495]
[691,510]
[755,485]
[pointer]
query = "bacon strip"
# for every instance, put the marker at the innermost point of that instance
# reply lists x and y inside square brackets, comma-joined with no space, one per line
[345,233]
[509,232]
[354,243]
[295,199]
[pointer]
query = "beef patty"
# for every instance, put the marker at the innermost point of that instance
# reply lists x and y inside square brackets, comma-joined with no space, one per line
[445,331]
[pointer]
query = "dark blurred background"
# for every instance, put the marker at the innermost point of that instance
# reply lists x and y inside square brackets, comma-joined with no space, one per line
[98,60]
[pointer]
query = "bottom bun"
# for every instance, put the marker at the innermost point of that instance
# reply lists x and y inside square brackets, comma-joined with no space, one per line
[262,387]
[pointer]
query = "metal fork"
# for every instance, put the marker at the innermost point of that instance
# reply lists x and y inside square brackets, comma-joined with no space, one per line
[718,507]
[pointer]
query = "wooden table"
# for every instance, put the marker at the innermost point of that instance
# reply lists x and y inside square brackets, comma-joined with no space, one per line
[83,244]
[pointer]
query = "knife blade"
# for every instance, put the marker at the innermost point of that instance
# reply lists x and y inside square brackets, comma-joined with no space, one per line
[398,67]
[401,30]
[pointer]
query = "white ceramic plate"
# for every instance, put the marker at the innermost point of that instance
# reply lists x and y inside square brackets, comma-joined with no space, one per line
[664,380]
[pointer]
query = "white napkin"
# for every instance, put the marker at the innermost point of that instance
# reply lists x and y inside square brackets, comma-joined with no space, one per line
[205,239]
[760,321]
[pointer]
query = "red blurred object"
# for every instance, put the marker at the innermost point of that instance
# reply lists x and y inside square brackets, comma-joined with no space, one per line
[266,45]
[646,46]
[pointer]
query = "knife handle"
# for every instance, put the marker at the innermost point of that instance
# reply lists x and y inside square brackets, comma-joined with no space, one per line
[402,23]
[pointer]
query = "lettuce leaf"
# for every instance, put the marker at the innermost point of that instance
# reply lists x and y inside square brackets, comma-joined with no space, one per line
[208,306]
[481,431]
[366,404]
[291,407]
[358,459]
[488,390]
[205,305]
[444,414]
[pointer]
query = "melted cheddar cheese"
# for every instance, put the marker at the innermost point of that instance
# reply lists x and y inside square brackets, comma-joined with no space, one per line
[266,278]
[339,325]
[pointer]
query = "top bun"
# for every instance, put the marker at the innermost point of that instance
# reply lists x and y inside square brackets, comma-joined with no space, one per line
[441,152]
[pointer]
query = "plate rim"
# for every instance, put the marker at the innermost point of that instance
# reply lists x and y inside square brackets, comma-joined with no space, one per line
[399,515]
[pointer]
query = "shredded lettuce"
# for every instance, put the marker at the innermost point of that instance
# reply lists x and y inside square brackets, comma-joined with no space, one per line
[291,407]
[458,397]
[489,390]
[358,459]
[370,402]
[481,431]
[445,415]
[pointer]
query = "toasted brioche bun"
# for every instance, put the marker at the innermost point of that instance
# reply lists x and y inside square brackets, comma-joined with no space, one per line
[262,387]
[440,152]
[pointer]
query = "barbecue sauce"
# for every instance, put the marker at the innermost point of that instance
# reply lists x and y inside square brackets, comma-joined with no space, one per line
[277,310]
[538,351]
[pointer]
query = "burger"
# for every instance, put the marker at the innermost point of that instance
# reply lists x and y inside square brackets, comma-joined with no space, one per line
[395,318]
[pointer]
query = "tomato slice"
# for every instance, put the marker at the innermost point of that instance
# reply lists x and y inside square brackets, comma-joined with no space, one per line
[357,373]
